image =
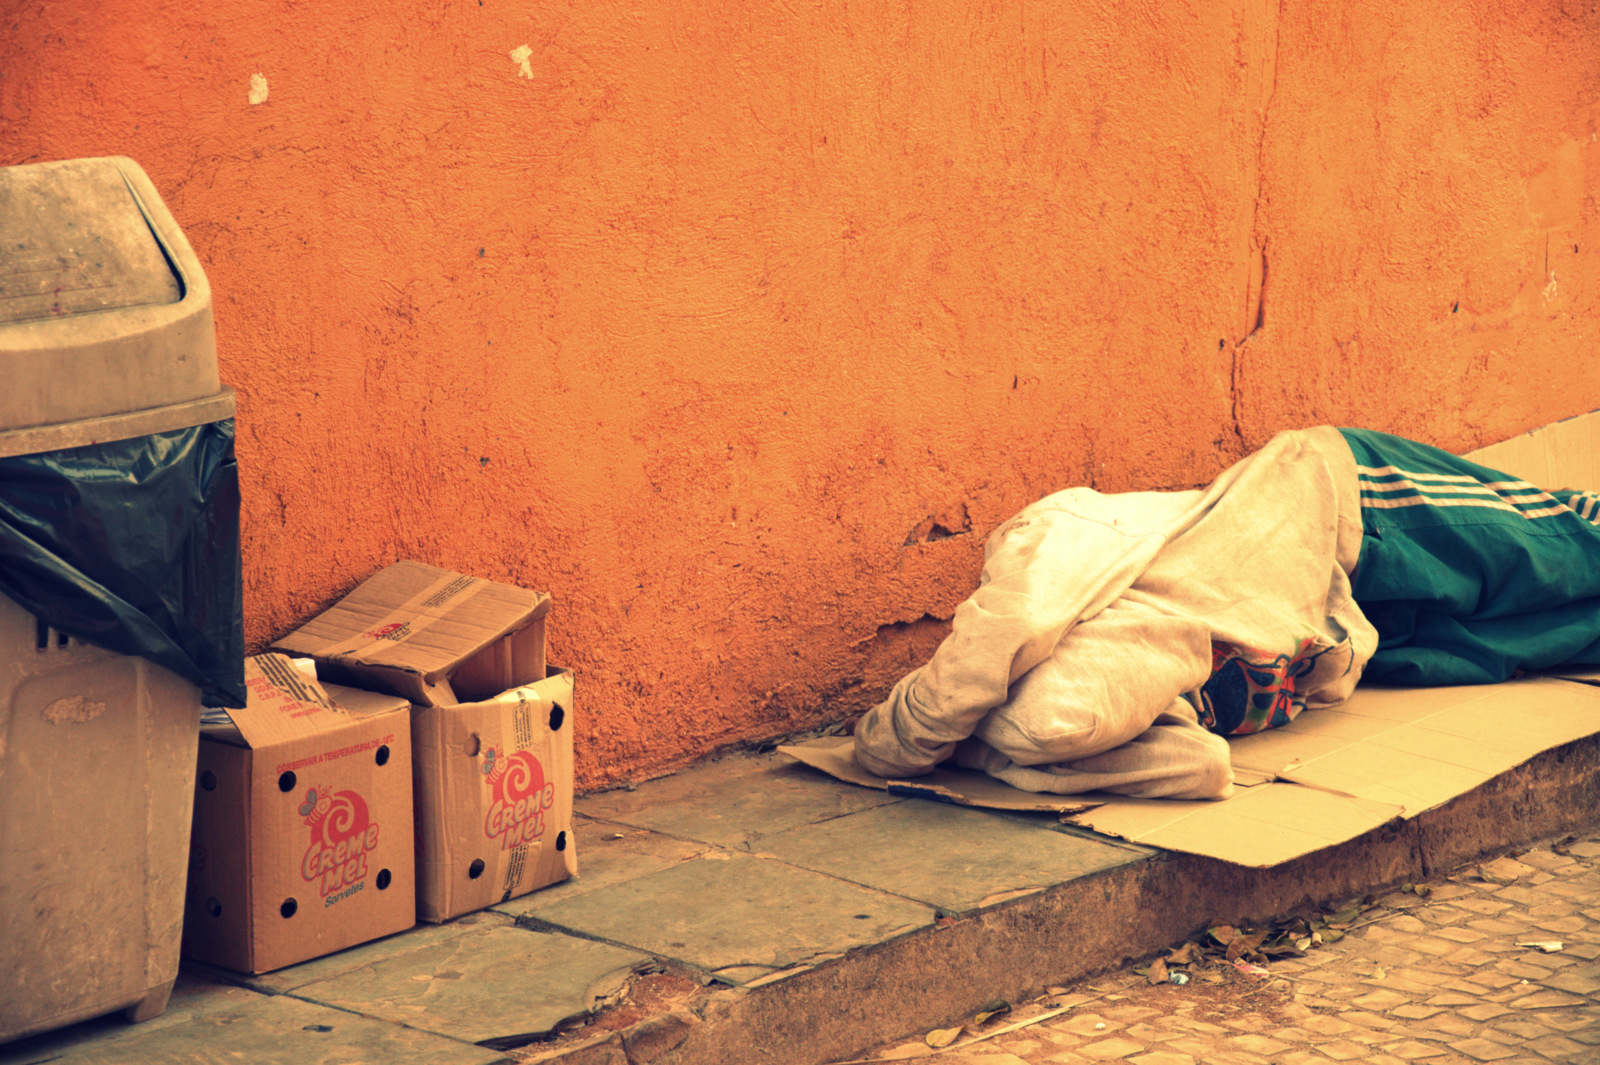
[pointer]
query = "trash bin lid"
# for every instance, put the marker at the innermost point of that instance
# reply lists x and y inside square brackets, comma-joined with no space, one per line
[75,242]
[104,309]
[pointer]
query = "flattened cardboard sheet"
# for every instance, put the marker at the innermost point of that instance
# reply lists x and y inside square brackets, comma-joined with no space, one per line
[494,797]
[429,634]
[1330,775]
[1564,454]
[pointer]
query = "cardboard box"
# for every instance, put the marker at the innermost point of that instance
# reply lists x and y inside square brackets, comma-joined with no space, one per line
[438,638]
[494,797]
[1332,774]
[488,725]
[302,842]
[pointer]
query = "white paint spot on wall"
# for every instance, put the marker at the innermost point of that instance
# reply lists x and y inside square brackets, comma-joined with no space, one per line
[1550,289]
[258,89]
[519,56]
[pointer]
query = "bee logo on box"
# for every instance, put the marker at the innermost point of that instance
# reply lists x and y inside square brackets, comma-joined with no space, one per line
[521,797]
[394,632]
[342,835]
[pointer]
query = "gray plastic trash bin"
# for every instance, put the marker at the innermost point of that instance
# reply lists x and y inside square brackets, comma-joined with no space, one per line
[105,335]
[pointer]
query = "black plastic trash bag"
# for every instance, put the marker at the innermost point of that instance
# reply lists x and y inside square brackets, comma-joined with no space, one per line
[134,546]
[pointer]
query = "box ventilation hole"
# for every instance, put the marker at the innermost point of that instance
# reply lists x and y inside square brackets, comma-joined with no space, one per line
[383,879]
[213,907]
[557,716]
[286,782]
[382,755]
[561,841]
[208,780]
[475,870]
[288,908]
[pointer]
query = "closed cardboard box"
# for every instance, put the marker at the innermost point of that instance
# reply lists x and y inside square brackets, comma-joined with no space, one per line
[302,842]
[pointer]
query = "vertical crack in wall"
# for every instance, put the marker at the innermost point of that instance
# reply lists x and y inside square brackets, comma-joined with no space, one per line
[1262,85]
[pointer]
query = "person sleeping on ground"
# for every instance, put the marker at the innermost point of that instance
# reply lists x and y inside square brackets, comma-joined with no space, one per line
[1115,640]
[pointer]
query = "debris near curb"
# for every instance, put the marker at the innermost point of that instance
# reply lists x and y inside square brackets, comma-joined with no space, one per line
[1250,950]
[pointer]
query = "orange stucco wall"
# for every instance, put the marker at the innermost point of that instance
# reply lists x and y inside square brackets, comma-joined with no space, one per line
[736,325]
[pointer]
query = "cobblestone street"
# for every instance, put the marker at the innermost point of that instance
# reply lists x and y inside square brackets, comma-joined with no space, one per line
[1498,962]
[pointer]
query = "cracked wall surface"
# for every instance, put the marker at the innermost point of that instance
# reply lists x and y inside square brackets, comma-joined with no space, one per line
[738,326]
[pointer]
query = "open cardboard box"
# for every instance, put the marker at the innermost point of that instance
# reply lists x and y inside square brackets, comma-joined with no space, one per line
[1332,774]
[491,731]
[302,841]
[436,637]
[494,797]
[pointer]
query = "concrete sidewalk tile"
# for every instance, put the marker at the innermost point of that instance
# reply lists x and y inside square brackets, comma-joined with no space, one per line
[1481,1049]
[268,1030]
[1522,1027]
[1560,1048]
[1571,1021]
[1257,1044]
[1109,1049]
[1088,1025]
[733,801]
[489,984]
[1585,982]
[1483,906]
[1380,1000]
[1343,1050]
[1414,1012]
[1323,1025]
[1550,962]
[1447,999]
[735,910]
[1163,1057]
[1487,1011]
[285,980]
[604,859]
[953,857]
[1546,999]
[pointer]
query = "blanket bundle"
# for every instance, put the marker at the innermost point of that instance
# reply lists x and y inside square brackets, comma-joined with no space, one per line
[1114,640]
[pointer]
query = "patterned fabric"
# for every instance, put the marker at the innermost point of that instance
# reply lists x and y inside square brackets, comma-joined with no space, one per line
[1251,690]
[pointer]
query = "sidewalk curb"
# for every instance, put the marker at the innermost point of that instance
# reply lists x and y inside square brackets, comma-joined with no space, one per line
[1085,927]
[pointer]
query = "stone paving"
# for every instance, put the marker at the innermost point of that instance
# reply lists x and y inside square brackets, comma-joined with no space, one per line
[1499,962]
[750,910]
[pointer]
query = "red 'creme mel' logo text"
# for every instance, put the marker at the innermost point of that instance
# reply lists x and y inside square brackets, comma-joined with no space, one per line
[520,798]
[342,835]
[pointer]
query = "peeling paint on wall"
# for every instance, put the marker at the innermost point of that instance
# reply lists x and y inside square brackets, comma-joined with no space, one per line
[258,89]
